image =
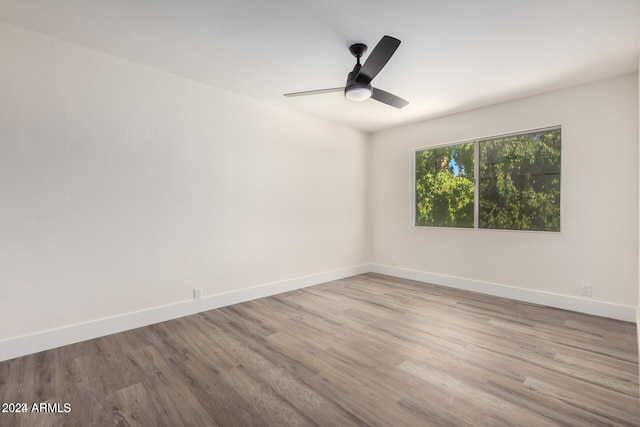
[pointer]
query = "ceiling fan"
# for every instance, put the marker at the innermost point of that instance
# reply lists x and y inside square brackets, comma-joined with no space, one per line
[358,87]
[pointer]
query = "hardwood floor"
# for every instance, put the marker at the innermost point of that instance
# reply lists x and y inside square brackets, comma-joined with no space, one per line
[367,350]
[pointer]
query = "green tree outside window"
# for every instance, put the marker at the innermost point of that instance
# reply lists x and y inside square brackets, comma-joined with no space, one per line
[518,183]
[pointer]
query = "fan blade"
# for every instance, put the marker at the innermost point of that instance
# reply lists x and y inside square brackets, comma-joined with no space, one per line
[388,98]
[378,58]
[315,92]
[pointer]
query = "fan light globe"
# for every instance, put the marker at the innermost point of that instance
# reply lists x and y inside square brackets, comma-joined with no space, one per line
[358,93]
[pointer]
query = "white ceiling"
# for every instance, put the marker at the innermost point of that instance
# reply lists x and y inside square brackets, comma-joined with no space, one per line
[455,54]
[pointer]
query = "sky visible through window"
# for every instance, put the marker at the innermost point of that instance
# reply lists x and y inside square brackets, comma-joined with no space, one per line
[454,167]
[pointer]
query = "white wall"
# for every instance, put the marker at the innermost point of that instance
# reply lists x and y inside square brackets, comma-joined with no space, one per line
[599,206]
[122,188]
[638,307]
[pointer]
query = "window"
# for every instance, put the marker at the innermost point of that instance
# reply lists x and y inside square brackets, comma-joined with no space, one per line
[444,186]
[508,182]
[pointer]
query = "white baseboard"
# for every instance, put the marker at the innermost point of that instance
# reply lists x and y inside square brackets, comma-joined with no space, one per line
[581,305]
[638,332]
[45,340]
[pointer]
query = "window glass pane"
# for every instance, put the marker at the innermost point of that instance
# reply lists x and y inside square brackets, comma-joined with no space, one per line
[519,184]
[444,186]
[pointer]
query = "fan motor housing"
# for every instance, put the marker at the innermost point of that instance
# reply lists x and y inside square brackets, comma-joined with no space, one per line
[352,83]
[355,86]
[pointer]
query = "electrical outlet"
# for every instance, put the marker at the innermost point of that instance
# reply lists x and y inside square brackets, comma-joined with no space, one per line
[394,260]
[197,293]
[585,290]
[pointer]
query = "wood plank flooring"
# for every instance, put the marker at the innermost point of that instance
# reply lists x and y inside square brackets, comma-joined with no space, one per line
[370,350]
